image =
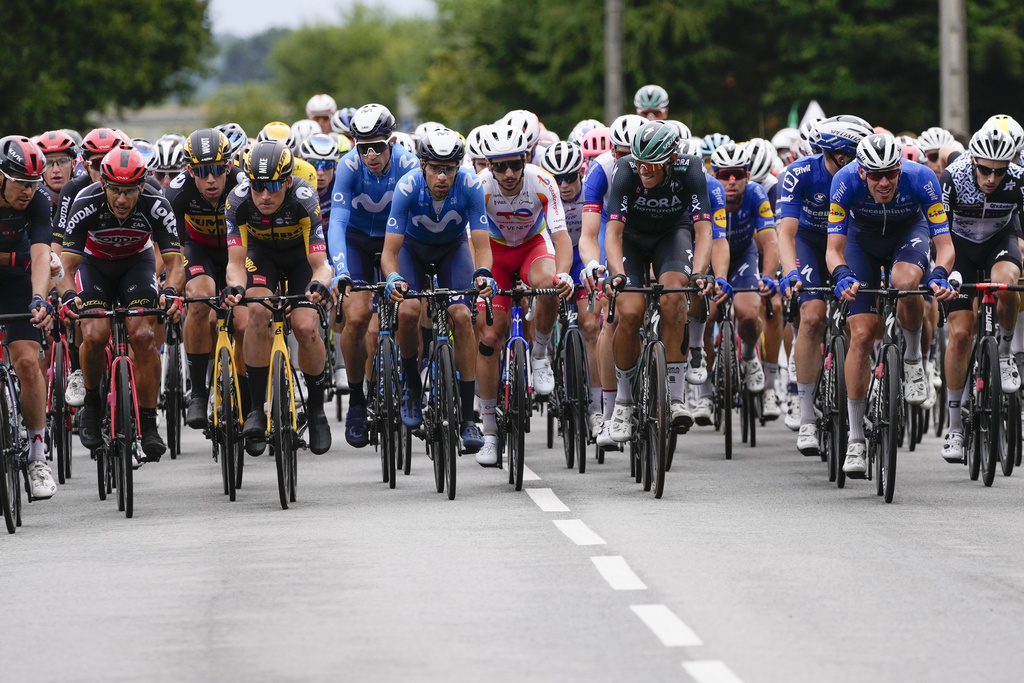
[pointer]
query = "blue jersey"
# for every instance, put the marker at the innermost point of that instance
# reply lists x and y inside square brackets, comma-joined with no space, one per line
[918,196]
[716,194]
[415,213]
[804,193]
[754,214]
[362,200]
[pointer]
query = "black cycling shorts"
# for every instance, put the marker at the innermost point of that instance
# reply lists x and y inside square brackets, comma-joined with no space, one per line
[130,281]
[975,259]
[267,267]
[671,252]
[16,285]
[205,261]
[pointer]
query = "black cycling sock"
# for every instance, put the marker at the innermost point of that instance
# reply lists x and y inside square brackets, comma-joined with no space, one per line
[147,419]
[92,398]
[258,377]
[198,364]
[243,389]
[315,391]
[411,368]
[467,391]
[356,397]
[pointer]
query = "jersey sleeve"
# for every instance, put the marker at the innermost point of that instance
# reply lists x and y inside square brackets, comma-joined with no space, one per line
[81,214]
[764,218]
[341,212]
[716,195]
[165,227]
[931,198]
[554,212]
[60,220]
[40,229]
[312,224]
[476,205]
[697,182]
[618,208]
[401,205]
[595,186]
[234,216]
[838,220]
[790,201]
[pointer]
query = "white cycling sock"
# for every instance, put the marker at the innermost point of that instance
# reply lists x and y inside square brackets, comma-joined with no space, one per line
[696,329]
[36,445]
[541,345]
[676,383]
[1005,340]
[608,397]
[624,382]
[595,400]
[855,409]
[1017,345]
[487,406]
[953,401]
[771,373]
[806,392]
[913,351]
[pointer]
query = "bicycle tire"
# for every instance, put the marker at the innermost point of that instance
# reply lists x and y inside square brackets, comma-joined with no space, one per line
[839,413]
[727,356]
[1010,412]
[406,450]
[126,436]
[449,422]
[230,426]
[391,418]
[891,399]
[752,416]
[987,422]
[659,417]
[281,427]
[9,492]
[172,399]
[559,407]
[642,399]
[60,435]
[577,400]
[940,411]
[517,413]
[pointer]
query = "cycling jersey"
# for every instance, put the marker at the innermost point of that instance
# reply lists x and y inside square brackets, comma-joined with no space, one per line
[681,198]
[770,185]
[70,191]
[716,194]
[21,229]
[325,204]
[805,191]
[514,220]
[93,230]
[754,215]
[917,196]
[597,184]
[198,220]
[296,223]
[303,169]
[574,217]
[361,201]
[974,215]
[414,213]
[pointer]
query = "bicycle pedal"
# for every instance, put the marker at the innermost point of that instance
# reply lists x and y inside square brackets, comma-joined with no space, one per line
[856,475]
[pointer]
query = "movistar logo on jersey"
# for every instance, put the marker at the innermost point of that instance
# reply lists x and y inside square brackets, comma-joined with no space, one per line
[371,206]
[437,226]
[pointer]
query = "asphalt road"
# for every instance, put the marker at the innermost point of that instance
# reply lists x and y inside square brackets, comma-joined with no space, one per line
[755,569]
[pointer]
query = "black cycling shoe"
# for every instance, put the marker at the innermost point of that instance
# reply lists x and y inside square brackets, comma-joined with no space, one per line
[89,427]
[254,431]
[319,433]
[195,416]
[153,445]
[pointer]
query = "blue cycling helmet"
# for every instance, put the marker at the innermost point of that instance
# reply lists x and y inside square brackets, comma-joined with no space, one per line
[713,141]
[840,134]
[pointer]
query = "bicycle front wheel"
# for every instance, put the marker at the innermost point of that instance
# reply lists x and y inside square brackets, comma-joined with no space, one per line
[173,398]
[577,400]
[658,417]
[891,399]
[447,412]
[987,439]
[60,413]
[1010,413]
[9,492]
[281,429]
[726,356]
[230,426]
[839,431]
[126,437]
[391,418]
[518,414]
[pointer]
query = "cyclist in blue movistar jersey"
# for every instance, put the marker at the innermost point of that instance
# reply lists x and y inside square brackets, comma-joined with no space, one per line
[882,213]
[363,188]
[803,233]
[428,225]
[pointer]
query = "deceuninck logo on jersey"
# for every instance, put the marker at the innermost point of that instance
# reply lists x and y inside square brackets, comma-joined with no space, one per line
[936,213]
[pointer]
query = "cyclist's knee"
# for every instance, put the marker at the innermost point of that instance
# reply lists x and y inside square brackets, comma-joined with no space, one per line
[409,314]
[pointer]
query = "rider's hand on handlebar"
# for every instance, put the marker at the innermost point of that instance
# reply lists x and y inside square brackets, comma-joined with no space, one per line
[317,292]
[940,285]
[590,273]
[564,284]
[790,283]
[42,312]
[396,286]
[847,283]
[767,286]
[724,290]
[342,285]
[170,302]
[484,281]
[231,295]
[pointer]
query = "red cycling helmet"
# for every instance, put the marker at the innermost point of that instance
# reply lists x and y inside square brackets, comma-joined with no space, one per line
[123,167]
[101,141]
[596,142]
[56,142]
[20,158]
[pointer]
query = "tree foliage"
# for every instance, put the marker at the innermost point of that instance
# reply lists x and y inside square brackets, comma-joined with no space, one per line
[251,105]
[65,59]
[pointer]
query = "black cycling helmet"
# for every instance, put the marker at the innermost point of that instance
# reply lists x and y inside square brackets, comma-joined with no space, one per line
[206,146]
[269,160]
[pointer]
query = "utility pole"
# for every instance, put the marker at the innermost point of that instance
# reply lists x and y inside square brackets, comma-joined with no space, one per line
[612,59]
[953,112]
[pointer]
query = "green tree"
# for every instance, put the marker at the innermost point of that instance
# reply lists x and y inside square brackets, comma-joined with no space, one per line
[65,59]
[251,105]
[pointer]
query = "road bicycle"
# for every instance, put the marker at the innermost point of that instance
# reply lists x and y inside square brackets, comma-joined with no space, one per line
[59,414]
[569,403]
[172,396]
[13,447]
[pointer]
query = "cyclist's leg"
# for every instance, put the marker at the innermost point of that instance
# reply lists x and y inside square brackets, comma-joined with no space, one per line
[743,274]
[629,316]
[910,264]
[199,328]
[411,261]
[137,287]
[1006,268]
[672,260]
[590,327]
[490,339]
[538,270]
[262,277]
[358,312]
[810,260]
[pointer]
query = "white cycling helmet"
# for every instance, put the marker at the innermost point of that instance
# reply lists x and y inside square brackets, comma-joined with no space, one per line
[713,141]
[808,134]
[993,144]
[500,140]
[683,129]
[320,146]
[561,158]
[302,129]
[650,97]
[168,155]
[420,131]
[473,150]
[1007,123]
[840,134]
[934,138]
[691,146]
[525,120]
[582,128]
[730,155]
[321,105]
[625,127]
[405,140]
[879,152]
[762,158]
[786,140]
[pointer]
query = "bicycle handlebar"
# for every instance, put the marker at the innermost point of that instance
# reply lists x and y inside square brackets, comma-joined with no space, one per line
[449,293]
[121,311]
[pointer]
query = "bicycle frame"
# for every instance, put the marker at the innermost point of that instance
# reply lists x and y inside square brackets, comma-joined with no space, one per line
[278,305]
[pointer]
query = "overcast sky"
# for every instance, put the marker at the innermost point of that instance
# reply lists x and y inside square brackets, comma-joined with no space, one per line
[248,17]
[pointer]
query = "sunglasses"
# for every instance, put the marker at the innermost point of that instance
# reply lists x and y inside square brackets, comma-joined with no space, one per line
[57,161]
[128,191]
[166,175]
[986,170]
[268,186]
[377,148]
[618,153]
[567,178]
[500,167]
[731,174]
[875,176]
[933,157]
[443,169]
[324,164]
[216,170]
[23,184]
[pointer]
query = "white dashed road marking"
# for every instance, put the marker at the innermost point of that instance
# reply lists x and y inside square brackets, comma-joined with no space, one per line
[669,628]
[529,475]
[578,532]
[617,573]
[711,671]
[547,500]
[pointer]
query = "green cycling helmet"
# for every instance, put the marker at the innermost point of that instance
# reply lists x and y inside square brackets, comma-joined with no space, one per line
[655,142]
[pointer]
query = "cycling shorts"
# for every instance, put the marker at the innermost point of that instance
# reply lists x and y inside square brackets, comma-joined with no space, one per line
[453,263]
[743,270]
[810,262]
[361,251]
[509,260]
[670,252]
[130,281]
[975,259]
[867,253]
[16,284]
[205,261]
[268,267]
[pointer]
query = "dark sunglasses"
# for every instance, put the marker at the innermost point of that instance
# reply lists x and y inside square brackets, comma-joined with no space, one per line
[447,169]
[731,174]
[986,170]
[216,170]
[933,157]
[567,178]
[875,176]
[500,167]
[324,164]
[377,148]
[268,186]
[165,175]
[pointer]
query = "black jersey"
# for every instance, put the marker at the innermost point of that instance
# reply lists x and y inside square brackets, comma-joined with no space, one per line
[679,200]
[974,215]
[21,229]
[93,230]
[198,220]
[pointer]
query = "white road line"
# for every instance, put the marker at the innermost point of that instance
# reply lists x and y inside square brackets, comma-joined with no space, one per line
[617,573]
[711,671]
[529,475]
[669,628]
[578,532]
[547,500]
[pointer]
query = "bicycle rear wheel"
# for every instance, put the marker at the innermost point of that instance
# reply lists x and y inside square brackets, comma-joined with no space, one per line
[448,422]
[281,429]
[940,412]
[126,436]
[890,398]
[517,412]
[173,393]
[60,414]
[577,400]
[839,430]
[659,417]
[987,422]
[230,426]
